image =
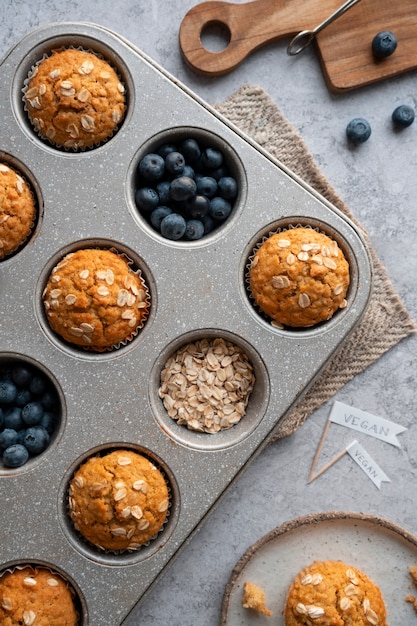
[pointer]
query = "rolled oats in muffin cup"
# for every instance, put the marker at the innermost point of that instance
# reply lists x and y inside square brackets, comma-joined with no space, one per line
[94,299]
[297,277]
[74,99]
[206,385]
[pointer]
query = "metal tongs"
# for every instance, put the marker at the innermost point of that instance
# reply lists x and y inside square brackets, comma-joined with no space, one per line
[301,41]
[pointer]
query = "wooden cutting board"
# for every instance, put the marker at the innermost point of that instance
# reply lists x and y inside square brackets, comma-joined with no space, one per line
[344,47]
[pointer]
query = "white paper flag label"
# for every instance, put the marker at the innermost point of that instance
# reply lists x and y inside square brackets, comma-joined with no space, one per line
[364,422]
[367,464]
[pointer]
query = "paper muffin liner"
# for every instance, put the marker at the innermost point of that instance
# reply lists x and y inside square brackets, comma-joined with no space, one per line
[146,544]
[32,227]
[270,233]
[32,72]
[42,566]
[146,308]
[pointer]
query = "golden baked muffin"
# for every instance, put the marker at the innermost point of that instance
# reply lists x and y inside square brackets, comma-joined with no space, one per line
[254,598]
[299,277]
[74,99]
[36,596]
[17,210]
[332,593]
[95,300]
[118,501]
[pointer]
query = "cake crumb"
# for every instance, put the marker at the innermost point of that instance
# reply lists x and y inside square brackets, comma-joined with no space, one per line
[254,598]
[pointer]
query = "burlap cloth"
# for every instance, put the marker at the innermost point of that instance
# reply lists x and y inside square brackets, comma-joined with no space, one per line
[386,321]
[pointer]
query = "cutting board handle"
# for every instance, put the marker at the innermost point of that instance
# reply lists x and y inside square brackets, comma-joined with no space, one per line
[250,26]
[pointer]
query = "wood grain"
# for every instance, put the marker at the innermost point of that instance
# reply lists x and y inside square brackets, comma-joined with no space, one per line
[344,47]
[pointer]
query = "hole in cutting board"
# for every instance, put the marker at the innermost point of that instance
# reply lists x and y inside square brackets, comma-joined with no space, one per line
[215,36]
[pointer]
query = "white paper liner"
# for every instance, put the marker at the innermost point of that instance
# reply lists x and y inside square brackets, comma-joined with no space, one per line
[46,139]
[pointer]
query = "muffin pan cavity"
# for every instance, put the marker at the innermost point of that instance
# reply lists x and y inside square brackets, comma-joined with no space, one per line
[94,275]
[60,90]
[210,389]
[21,209]
[32,413]
[197,292]
[126,497]
[191,175]
[318,256]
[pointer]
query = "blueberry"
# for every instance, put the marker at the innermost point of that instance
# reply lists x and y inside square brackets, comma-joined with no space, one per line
[13,418]
[158,215]
[15,455]
[211,158]
[162,189]
[403,116]
[22,376]
[175,163]
[206,186]
[8,392]
[173,226]
[189,171]
[384,44]
[36,439]
[49,400]
[198,207]
[227,187]
[8,437]
[1,417]
[190,149]
[165,149]
[146,199]
[38,385]
[219,172]
[32,413]
[48,421]
[194,230]
[182,188]
[152,167]
[220,208]
[358,130]
[23,397]
[209,224]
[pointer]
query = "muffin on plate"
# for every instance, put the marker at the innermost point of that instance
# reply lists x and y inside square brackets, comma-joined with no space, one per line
[17,210]
[332,593]
[299,277]
[95,300]
[118,501]
[35,595]
[74,99]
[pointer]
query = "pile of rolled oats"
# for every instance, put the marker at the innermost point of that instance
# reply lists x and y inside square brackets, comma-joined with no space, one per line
[206,385]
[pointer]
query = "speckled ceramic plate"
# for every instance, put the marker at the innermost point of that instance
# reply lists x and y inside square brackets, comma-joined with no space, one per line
[381,549]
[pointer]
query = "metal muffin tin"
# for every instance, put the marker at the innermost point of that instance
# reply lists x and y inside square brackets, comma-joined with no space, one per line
[197,289]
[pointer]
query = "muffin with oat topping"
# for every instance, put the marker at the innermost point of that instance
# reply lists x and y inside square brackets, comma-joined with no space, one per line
[95,300]
[17,210]
[331,593]
[299,277]
[35,595]
[74,99]
[118,501]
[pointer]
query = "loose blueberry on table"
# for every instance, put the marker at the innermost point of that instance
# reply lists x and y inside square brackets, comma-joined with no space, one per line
[185,190]
[403,116]
[29,413]
[358,130]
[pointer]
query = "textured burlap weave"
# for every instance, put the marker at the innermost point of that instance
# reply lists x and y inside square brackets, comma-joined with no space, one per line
[386,321]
